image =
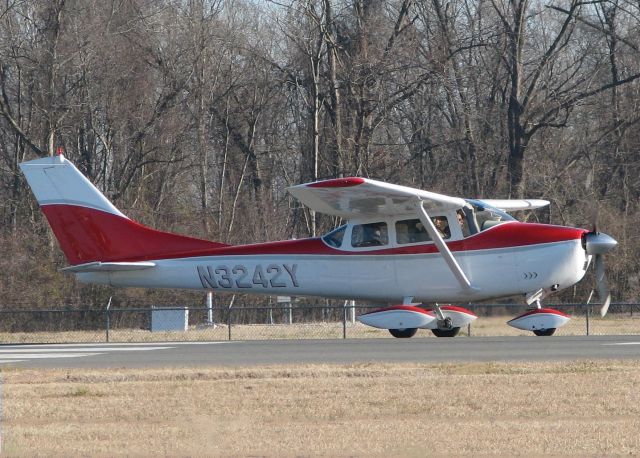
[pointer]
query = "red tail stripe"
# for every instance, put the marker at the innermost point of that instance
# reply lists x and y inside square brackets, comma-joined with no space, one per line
[86,235]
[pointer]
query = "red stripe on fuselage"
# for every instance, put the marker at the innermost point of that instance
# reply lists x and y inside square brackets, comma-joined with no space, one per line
[87,235]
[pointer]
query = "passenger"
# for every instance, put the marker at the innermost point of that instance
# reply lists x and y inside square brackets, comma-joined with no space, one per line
[419,234]
[461,222]
[442,225]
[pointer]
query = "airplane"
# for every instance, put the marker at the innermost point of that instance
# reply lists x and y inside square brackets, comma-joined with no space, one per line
[400,246]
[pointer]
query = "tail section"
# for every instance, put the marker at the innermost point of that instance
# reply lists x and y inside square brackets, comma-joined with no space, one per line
[88,226]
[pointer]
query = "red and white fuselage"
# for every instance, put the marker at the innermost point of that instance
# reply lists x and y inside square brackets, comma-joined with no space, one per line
[311,267]
[480,259]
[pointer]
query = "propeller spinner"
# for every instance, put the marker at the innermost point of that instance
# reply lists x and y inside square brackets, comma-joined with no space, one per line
[596,244]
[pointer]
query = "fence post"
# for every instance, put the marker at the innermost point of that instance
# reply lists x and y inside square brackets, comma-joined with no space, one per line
[589,308]
[108,319]
[344,320]
[588,312]
[210,308]
[233,298]
[352,312]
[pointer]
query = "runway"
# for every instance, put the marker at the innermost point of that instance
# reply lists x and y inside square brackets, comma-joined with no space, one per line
[350,351]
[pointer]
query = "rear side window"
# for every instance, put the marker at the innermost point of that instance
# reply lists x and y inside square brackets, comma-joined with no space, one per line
[411,231]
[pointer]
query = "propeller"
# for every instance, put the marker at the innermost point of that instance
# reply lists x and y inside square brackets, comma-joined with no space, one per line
[596,244]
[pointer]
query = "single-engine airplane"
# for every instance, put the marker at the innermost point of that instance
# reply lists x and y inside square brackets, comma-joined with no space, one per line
[400,246]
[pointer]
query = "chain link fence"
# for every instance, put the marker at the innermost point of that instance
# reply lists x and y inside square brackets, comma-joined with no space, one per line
[164,324]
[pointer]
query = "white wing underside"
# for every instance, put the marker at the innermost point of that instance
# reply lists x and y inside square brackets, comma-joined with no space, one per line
[516,204]
[361,198]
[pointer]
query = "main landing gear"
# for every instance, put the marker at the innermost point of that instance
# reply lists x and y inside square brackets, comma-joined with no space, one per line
[403,321]
[403,333]
[452,332]
[443,320]
[544,332]
[406,333]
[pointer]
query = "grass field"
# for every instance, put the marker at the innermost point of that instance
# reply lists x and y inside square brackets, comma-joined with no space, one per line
[580,408]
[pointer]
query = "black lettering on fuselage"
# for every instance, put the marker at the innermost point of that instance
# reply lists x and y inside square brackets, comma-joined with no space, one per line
[243,277]
[291,270]
[207,278]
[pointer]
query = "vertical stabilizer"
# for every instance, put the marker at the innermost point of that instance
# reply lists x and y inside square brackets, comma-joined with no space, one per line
[89,227]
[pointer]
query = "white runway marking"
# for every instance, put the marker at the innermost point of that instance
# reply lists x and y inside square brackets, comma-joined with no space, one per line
[621,343]
[75,349]
[19,353]
[113,344]
[46,355]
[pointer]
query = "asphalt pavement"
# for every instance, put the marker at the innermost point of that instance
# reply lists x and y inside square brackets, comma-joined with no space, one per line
[349,351]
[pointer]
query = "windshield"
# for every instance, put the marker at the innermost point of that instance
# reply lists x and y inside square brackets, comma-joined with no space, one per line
[334,238]
[487,216]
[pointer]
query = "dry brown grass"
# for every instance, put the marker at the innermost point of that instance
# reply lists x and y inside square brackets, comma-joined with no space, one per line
[580,408]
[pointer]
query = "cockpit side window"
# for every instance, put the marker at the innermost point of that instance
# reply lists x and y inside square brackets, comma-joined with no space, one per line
[467,220]
[334,238]
[370,234]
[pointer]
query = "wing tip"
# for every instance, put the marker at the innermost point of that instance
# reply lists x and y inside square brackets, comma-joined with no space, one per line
[337,183]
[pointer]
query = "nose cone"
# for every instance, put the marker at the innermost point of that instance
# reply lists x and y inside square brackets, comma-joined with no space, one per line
[599,243]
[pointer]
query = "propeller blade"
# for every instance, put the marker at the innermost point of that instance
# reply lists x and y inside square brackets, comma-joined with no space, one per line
[601,284]
[594,221]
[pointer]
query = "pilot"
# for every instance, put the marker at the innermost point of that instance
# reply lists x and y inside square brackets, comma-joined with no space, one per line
[376,236]
[442,225]
[461,222]
[372,236]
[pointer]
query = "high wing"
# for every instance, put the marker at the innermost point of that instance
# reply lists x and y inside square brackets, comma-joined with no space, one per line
[515,204]
[359,198]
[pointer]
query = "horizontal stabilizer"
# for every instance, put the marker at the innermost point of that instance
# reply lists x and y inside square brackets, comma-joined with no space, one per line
[109,267]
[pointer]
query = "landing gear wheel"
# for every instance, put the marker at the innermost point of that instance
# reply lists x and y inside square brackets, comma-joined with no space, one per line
[446,332]
[544,332]
[446,324]
[403,333]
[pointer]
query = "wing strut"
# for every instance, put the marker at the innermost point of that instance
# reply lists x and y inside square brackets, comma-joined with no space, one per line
[444,249]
